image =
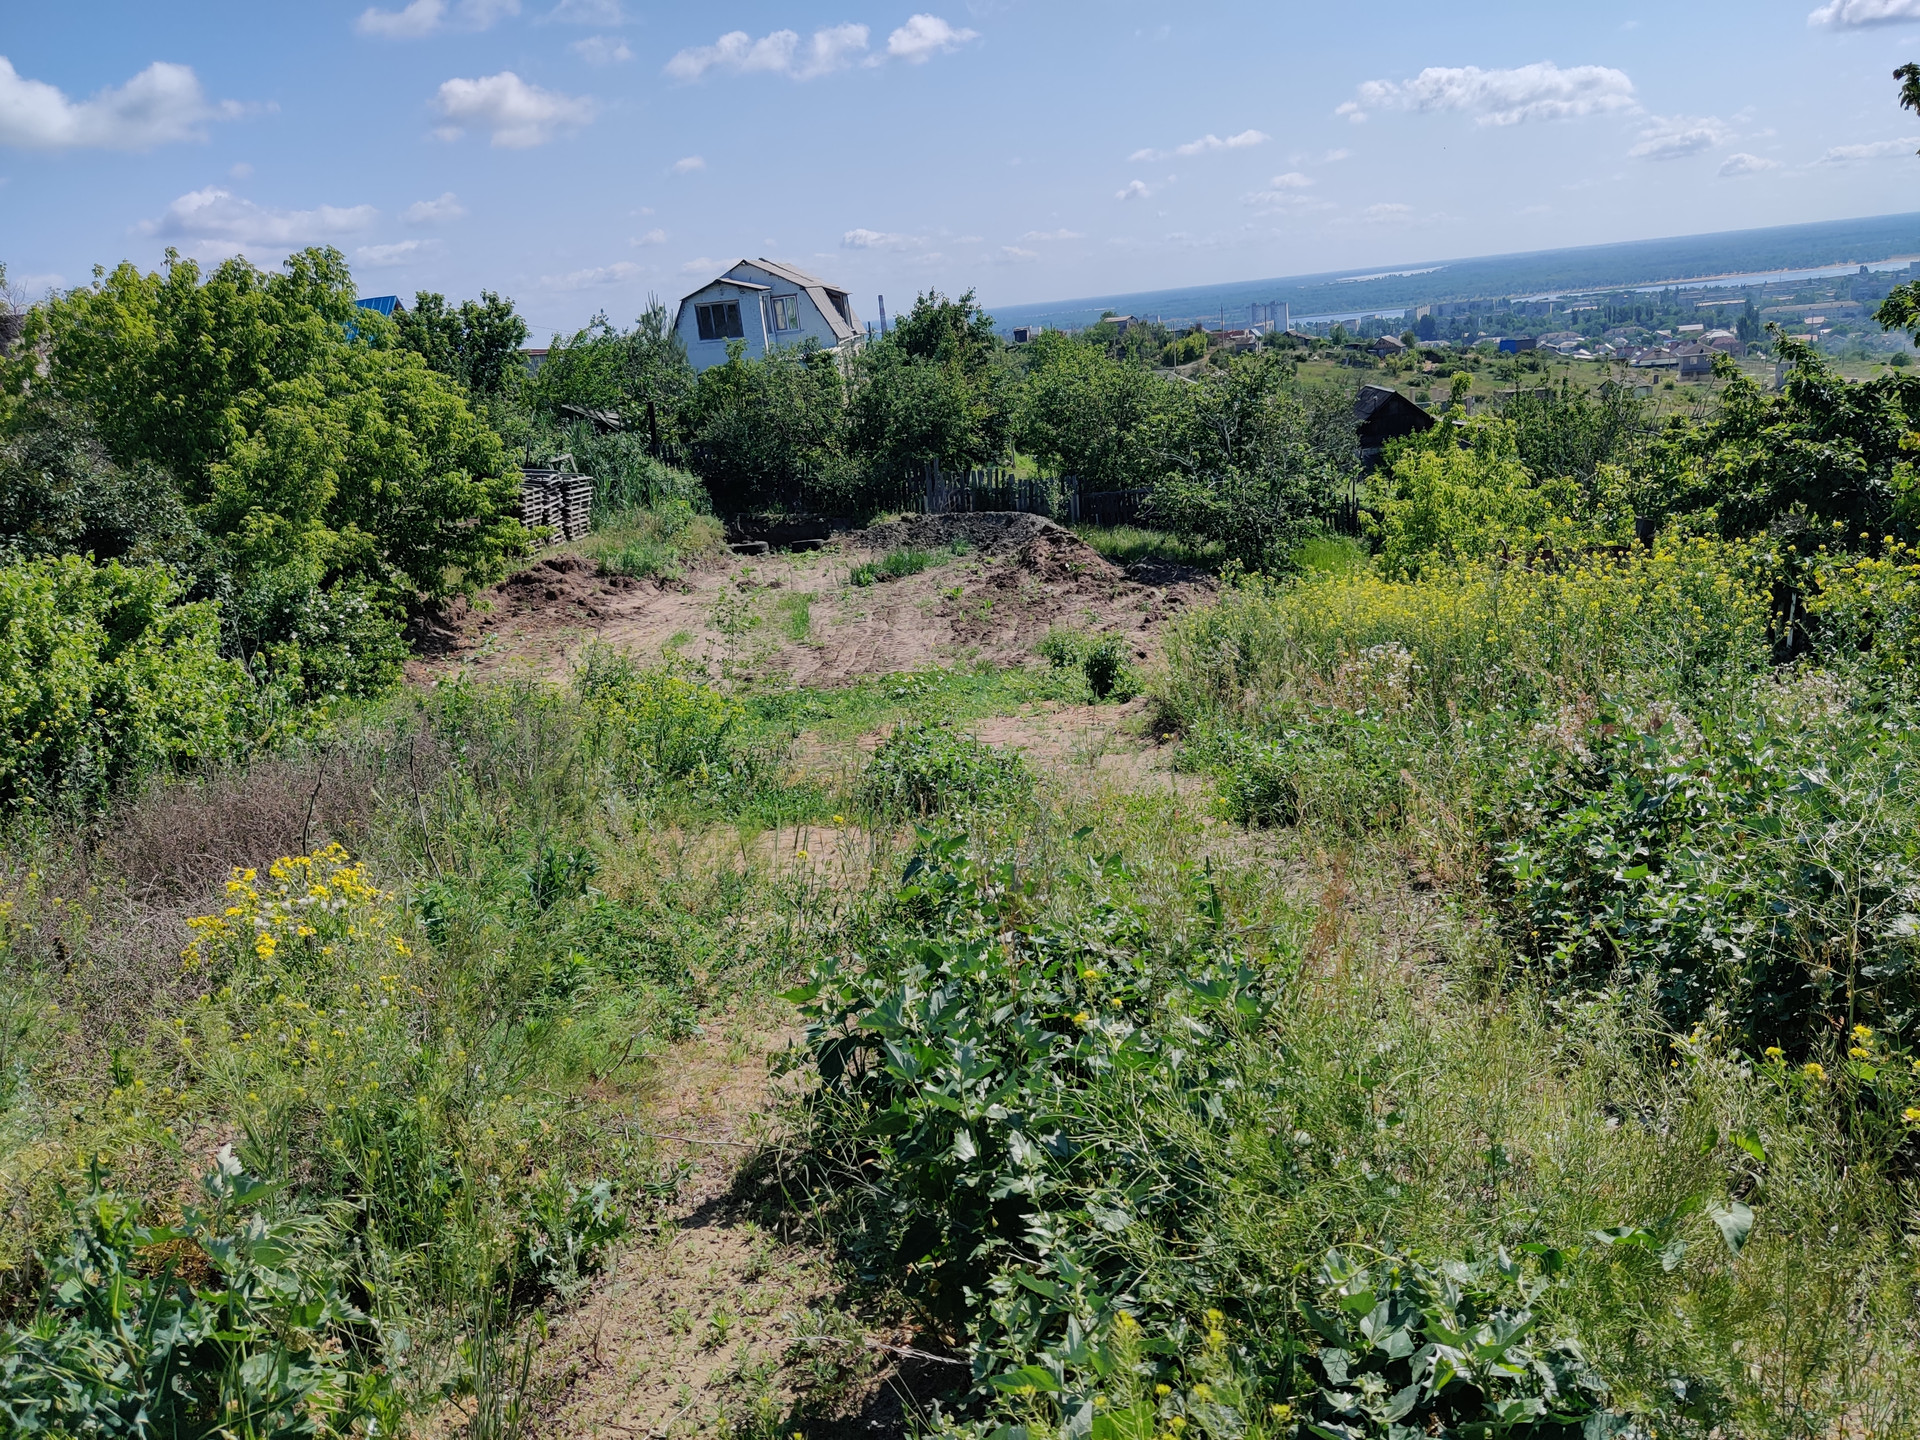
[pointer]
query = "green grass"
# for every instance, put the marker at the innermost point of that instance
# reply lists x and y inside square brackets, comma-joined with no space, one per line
[648,544]
[1126,544]
[895,565]
[795,609]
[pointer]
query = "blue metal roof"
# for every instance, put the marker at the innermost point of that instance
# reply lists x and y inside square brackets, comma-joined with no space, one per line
[385,304]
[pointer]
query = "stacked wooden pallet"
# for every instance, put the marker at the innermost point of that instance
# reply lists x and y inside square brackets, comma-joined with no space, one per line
[557,500]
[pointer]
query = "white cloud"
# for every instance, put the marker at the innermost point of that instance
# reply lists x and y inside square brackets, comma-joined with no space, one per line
[879,240]
[778,53]
[1874,150]
[1286,192]
[241,170]
[1204,145]
[1675,137]
[1388,213]
[618,273]
[1292,180]
[1745,164]
[1053,235]
[381,257]
[923,37]
[1853,14]
[1014,252]
[687,164]
[218,222]
[1334,156]
[587,12]
[1542,91]
[434,212]
[160,105]
[703,266]
[428,17]
[1133,190]
[602,50]
[519,115]
[652,237]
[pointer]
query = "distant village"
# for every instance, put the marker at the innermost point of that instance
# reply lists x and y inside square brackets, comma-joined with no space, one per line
[1675,329]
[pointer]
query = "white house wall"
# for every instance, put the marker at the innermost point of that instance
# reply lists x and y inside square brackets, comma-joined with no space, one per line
[755,317]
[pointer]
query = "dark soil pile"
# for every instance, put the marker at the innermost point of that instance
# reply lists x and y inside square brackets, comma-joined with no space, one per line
[991,532]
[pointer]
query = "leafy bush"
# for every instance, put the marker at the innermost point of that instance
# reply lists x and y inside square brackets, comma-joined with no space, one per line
[1445,503]
[926,767]
[895,565]
[662,728]
[107,676]
[1105,660]
[655,542]
[228,1322]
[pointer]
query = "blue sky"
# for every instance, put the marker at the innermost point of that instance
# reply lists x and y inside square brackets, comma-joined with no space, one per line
[579,154]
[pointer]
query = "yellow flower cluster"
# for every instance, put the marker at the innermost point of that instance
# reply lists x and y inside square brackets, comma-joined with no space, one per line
[324,897]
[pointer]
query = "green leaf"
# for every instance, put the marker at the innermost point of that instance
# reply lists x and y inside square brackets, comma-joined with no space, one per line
[1735,1221]
[1749,1141]
[1037,1377]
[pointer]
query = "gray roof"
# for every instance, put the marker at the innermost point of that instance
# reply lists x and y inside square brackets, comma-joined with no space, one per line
[817,291]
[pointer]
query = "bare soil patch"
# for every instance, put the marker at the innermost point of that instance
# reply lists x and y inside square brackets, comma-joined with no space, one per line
[797,616]
[721,1321]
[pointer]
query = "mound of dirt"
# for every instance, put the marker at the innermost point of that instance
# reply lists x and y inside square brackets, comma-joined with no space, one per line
[562,586]
[992,532]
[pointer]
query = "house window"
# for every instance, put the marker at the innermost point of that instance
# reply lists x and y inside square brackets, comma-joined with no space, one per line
[719,321]
[785,311]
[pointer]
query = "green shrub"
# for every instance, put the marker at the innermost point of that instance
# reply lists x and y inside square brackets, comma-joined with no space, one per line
[106,676]
[897,565]
[228,1322]
[1105,660]
[669,726]
[926,767]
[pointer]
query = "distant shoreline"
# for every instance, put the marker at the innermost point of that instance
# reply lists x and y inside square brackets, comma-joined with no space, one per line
[1714,260]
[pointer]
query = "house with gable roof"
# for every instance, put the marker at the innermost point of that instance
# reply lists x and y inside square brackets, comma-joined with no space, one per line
[766,305]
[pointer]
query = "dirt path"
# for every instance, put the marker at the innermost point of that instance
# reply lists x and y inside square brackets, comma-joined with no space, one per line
[718,1323]
[797,616]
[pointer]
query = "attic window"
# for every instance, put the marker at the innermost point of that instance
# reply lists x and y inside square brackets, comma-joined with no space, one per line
[839,302]
[784,311]
[719,321]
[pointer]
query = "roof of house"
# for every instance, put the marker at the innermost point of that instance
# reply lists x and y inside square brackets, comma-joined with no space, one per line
[385,304]
[1382,414]
[817,291]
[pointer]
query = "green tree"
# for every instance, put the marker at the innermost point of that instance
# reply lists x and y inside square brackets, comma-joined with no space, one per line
[938,388]
[625,371]
[763,430]
[1251,459]
[1086,413]
[293,426]
[477,344]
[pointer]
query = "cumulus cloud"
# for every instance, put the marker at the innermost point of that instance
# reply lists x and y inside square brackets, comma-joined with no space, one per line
[1287,192]
[214,221]
[1388,213]
[1542,91]
[702,265]
[587,12]
[687,164]
[1856,14]
[1742,163]
[1032,235]
[1133,190]
[652,237]
[434,212]
[778,53]
[864,239]
[1014,252]
[428,17]
[382,257]
[1675,137]
[1205,144]
[601,276]
[602,50]
[519,115]
[1873,150]
[159,106]
[923,37]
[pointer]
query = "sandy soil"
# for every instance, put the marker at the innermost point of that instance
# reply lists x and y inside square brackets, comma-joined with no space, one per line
[796,615]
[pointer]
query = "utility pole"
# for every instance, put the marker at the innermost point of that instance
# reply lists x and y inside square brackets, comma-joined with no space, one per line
[883,314]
